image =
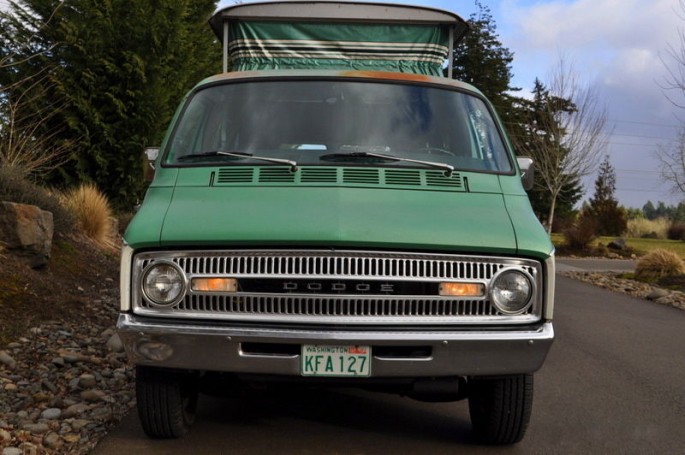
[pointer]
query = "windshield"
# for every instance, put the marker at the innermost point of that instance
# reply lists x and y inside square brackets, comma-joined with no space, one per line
[316,122]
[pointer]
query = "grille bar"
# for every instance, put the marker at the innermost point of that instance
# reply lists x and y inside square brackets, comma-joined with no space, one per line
[360,308]
[315,266]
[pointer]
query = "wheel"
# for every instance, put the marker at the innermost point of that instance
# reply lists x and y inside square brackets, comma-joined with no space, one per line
[500,408]
[166,401]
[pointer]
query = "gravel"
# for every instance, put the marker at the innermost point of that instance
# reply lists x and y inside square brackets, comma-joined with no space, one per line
[65,384]
[614,282]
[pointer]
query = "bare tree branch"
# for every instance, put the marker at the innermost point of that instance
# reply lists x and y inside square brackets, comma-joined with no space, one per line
[568,135]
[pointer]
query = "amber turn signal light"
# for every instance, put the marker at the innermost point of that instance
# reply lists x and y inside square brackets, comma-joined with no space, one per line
[214,284]
[462,289]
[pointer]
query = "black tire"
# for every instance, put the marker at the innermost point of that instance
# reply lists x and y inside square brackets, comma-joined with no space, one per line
[166,401]
[500,408]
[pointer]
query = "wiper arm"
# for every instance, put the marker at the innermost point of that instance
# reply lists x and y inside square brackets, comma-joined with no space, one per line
[292,164]
[354,155]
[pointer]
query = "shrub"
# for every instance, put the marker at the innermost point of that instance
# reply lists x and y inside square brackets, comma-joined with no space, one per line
[648,229]
[91,209]
[580,235]
[16,187]
[657,264]
[676,231]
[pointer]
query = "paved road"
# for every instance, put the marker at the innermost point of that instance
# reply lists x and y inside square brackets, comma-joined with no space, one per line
[595,265]
[614,382]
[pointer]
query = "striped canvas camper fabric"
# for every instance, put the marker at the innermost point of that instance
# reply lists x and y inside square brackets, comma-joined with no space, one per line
[269,45]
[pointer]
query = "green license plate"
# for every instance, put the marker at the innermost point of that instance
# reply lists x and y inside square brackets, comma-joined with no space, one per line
[335,361]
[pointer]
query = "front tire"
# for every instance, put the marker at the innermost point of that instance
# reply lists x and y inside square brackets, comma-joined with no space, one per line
[166,401]
[500,408]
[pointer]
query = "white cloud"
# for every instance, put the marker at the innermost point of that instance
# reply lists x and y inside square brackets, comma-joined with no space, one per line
[618,45]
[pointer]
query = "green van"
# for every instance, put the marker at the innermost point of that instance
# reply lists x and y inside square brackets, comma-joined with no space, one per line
[334,211]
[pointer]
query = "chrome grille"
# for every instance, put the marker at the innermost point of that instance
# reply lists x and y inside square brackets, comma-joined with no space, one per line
[343,308]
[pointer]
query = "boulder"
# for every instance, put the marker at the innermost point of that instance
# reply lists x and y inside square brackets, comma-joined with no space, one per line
[617,244]
[26,230]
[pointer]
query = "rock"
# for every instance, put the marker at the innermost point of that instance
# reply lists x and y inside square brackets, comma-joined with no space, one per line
[73,357]
[657,293]
[7,360]
[53,441]
[41,397]
[36,428]
[27,229]
[12,451]
[75,410]
[5,437]
[10,387]
[617,244]
[114,343]
[46,384]
[87,381]
[666,300]
[93,395]
[29,449]
[102,413]
[51,414]
[71,438]
[79,424]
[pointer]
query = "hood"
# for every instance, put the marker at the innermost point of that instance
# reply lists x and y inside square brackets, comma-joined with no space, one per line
[338,217]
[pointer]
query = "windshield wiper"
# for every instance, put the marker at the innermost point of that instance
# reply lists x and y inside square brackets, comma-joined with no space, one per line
[292,164]
[361,155]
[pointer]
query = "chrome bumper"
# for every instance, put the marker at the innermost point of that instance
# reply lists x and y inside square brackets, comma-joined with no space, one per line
[199,346]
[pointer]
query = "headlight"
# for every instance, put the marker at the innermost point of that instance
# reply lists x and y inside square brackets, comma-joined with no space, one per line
[163,283]
[511,292]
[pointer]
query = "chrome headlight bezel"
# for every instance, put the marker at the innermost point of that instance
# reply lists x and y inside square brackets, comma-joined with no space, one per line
[181,281]
[525,298]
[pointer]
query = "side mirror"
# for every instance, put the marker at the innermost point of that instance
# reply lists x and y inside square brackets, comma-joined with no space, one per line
[151,154]
[527,167]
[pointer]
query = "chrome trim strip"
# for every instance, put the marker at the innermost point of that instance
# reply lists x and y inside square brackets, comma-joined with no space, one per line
[550,264]
[125,277]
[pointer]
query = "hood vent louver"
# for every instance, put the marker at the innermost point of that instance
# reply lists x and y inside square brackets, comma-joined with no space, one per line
[319,175]
[235,175]
[276,175]
[411,178]
[437,178]
[362,176]
[334,176]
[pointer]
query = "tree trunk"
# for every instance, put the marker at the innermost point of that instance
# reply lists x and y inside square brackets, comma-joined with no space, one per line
[550,215]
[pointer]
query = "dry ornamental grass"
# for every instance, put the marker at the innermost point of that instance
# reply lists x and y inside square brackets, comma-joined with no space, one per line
[657,264]
[91,209]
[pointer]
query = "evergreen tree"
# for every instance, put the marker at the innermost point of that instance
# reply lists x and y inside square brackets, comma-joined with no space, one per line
[482,60]
[610,218]
[116,69]
[538,131]
[649,210]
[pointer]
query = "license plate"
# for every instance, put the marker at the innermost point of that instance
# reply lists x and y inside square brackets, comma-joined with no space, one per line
[335,361]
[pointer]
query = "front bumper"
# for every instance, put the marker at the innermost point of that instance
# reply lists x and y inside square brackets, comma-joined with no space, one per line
[199,346]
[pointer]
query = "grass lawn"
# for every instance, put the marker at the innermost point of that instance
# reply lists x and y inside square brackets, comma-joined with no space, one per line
[641,246]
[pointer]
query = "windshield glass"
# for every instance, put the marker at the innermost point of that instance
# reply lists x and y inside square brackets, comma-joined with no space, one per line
[316,122]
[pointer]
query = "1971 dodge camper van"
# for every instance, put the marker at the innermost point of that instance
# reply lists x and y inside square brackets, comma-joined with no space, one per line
[334,211]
